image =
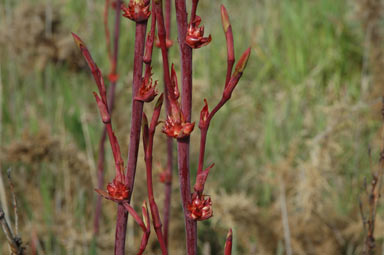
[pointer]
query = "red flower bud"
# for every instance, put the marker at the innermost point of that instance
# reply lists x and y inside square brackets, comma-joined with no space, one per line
[195,35]
[239,69]
[228,243]
[200,208]
[177,129]
[204,114]
[137,10]
[117,190]
[84,50]
[201,178]
[147,91]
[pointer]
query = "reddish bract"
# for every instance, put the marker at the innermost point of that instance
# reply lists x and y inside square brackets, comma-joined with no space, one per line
[147,91]
[195,35]
[200,208]
[117,190]
[177,129]
[137,10]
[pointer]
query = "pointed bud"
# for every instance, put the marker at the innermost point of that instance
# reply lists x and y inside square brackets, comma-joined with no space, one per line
[204,114]
[225,19]
[146,220]
[242,63]
[239,69]
[102,109]
[175,93]
[228,243]
[156,113]
[84,50]
[201,178]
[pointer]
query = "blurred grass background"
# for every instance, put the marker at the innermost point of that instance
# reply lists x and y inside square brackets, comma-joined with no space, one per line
[295,136]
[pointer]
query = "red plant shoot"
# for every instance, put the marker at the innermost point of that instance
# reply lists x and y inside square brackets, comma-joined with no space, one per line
[228,243]
[197,205]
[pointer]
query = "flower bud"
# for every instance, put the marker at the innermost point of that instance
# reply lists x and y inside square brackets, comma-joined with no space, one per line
[137,10]
[118,190]
[147,91]
[201,178]
[204,114]
[200,208]
[195,35]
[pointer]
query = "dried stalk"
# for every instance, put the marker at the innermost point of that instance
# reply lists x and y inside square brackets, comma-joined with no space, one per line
[373,197]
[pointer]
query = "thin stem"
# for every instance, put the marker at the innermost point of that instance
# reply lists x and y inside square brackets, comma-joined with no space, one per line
[137,112]
[183,144]
[14,242]
[193,11]
[148,162]
[168,18]
[14,202]
[169,169]
[111,102]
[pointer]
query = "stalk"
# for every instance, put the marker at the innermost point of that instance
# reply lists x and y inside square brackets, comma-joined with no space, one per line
[169,169]
[148,137]
[183,144]
[111,102]
[137,112]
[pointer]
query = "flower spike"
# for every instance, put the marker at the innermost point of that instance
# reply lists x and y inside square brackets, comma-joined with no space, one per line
[195,34]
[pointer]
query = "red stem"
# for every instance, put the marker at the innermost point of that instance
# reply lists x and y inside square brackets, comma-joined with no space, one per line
[146,228]
[168,19]
[183,144]
[137,112]
[148,163]
[169,169]
[203,134]
[111,102]
[193,11]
